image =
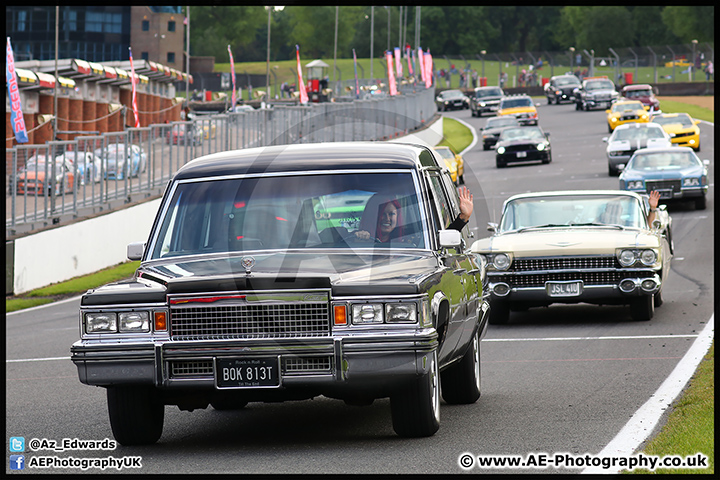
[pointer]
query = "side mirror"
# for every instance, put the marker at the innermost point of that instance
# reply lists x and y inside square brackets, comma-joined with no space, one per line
[607,111]
[547,134]
[450,239]
[706,162]
[605,139]
[135,250]
[697,122]
[492,227]
[656,224]
[621,166]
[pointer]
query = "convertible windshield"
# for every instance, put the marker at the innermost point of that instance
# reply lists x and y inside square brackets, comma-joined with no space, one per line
[600,84]
[619,107]
[664,161]
[291,212]
[637,133]
[682,118]
[488,92]
[516,103]
[568,210]
[501,122]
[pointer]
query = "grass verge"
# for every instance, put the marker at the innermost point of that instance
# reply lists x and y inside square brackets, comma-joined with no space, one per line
[695,111]
[70,288]
[455,135]
[691,424]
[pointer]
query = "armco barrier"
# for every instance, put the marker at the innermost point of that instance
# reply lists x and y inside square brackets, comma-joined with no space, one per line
[64,252]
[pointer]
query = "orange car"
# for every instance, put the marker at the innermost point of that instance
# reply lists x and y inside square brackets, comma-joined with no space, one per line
[31,180]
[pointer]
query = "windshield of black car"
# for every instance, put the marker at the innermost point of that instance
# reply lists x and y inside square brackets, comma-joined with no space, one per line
[682,119]
[522,133]
[566,81]
[291,212]
[516,102]
[492,92]
[501,122]
[572,210]
[452,94]
[666,160]
[637,133]
[599,85]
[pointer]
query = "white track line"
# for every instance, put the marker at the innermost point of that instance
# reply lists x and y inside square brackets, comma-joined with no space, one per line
[646,418]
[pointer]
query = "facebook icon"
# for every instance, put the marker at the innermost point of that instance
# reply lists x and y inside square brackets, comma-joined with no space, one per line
[17,462]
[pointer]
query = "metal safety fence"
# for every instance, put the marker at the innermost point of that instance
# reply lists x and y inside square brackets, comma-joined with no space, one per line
[64,180]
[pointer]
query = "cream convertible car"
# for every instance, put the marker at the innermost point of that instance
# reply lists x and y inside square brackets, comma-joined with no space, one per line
[592,246]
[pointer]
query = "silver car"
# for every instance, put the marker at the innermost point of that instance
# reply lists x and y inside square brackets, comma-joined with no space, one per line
[629,137]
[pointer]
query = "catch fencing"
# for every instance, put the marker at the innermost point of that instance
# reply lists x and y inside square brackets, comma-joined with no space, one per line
[146,158]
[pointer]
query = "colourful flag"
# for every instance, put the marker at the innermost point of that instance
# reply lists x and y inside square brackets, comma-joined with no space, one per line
[428,70]
[421,63]
[407,56]
[134,100]
[391,74]
[357,84]
[398,63]
[301,84]
[16,116]
[232,72]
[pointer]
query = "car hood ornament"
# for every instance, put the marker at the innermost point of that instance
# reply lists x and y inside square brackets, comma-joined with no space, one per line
[248,263]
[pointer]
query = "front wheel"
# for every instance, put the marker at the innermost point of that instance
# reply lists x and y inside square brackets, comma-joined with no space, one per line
[642,309]
[461,382]
[136,417]
[416,408]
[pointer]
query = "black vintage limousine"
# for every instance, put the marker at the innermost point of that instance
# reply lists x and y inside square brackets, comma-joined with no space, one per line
[289,272]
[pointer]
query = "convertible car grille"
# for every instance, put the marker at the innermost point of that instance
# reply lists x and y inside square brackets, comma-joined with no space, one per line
[684,134]
[564,263]
[520,148]
[275,319]
[674,185]
[595,270]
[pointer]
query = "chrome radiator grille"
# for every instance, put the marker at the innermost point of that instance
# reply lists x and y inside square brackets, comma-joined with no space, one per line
[250,316]
[563,263]
[588,278]
[674,185]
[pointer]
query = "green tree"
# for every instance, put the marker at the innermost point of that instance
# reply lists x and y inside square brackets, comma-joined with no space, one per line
[215,27]
[599,28]
[691,22]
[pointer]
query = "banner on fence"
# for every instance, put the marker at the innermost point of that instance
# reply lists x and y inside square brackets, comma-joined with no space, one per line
[357,83]
[398,63]
[232,72]
[16,116]
[134,80]
[391,73]
[301,84]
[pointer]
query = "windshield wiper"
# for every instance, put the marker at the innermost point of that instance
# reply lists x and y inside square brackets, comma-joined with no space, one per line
[547,225]
[596,224]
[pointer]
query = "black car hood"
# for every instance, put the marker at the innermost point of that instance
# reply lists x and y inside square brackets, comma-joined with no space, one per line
[344,273]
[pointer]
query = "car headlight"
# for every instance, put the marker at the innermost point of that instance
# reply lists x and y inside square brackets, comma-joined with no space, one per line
[134,322]
[691,182]
[501,261]
[100,322]
[367,313]
[635,185]
[613,119]
[644,116]
[540,146]
[401,312]
[501,150]
[482,104]
[648,257]
[626,258]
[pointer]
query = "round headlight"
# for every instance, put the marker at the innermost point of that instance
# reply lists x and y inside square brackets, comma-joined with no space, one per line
[627,258]
[501,150]
[541,146]
[648,257]
[501,261]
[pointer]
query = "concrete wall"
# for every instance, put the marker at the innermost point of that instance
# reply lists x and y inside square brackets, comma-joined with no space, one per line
[62,253]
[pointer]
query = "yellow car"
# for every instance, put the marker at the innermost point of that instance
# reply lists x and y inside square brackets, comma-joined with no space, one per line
[626,111]
[520,107]
[454,164]
[681,127]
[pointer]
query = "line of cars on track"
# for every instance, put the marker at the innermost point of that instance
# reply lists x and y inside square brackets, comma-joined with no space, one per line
[73,169]
[604,247]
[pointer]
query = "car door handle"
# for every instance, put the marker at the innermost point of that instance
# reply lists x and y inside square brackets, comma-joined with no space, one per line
[474,271]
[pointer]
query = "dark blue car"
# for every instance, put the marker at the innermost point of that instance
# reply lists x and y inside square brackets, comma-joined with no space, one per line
[676,172]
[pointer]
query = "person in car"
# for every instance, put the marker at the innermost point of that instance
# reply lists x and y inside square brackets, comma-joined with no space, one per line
[387,223]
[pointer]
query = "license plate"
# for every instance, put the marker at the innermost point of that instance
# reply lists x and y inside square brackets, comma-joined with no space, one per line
[521,154]
[665,194]
[247,372]
[564,289]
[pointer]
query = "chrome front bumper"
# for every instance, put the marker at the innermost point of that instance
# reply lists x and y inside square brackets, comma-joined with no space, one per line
[326,361]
